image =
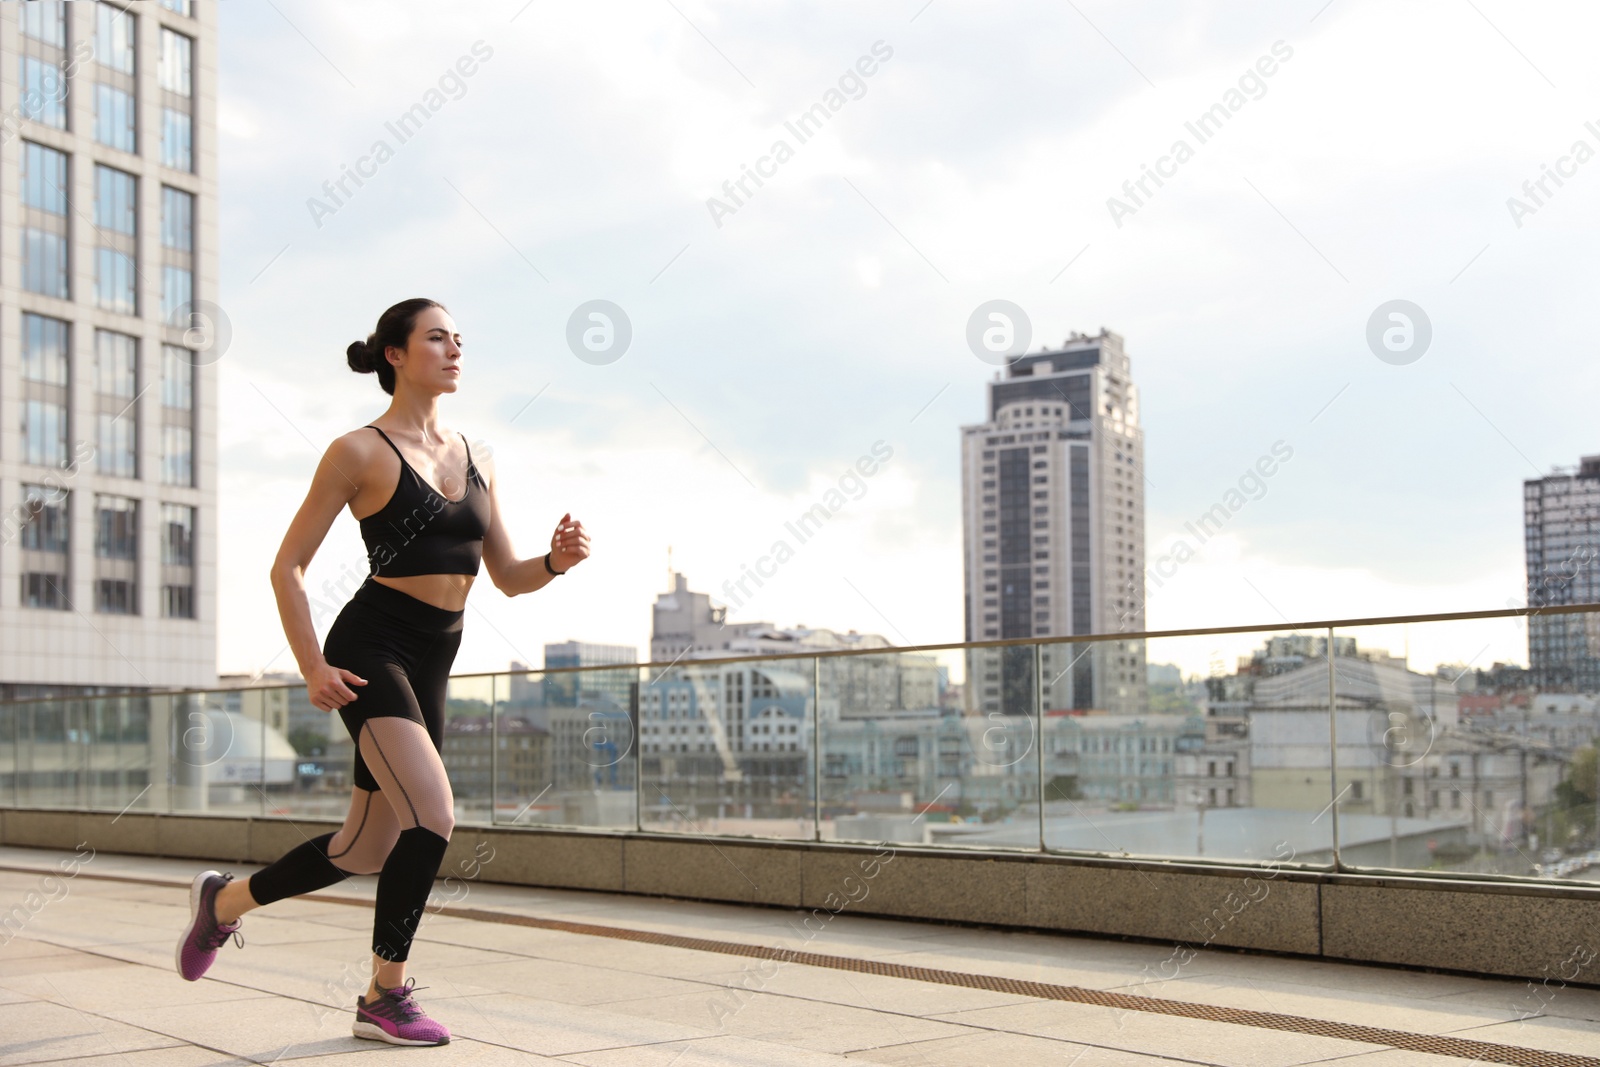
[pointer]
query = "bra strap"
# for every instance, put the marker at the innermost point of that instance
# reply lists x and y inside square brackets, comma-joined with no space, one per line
[390,443]
[472,468]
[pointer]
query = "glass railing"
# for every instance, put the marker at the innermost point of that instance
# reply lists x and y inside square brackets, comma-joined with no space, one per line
[1413,747]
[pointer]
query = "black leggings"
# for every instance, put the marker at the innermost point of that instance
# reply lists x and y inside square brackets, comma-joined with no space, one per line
[401,809]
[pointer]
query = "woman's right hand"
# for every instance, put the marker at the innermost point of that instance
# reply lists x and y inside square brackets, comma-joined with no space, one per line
[328,689]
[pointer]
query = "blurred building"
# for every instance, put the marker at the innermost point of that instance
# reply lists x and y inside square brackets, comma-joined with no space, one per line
[1561,512]
[513,755]
[1053,526]
[108,340]
[1386,718]
[564,689]
[684,622]
[705,723]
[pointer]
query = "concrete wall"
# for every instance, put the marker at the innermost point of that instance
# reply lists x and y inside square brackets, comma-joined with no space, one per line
[1489,928]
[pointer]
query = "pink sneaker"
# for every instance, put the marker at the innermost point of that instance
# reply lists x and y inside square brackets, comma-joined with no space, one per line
[204,934]
[396,1018]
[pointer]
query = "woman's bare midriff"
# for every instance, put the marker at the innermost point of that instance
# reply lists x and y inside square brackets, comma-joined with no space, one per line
[447,591]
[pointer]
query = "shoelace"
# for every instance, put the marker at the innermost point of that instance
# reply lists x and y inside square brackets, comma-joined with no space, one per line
[403,1005]
[216,934]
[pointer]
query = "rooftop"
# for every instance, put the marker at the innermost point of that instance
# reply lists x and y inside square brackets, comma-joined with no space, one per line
[528,976]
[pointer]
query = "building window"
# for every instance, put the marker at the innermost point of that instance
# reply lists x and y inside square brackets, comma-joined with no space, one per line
[177,100]
[177,140]
[114,118]
[177,561]
[44,221]
[42,96]
[177,252]
[177,416]
[42,88]
[115,113]
[44,548]
[117,388]
[116,549]
[44,390]
[114,38]
[44,21]
[181,7]
[116,198]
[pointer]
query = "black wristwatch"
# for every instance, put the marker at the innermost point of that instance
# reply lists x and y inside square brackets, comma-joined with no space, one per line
[549,568]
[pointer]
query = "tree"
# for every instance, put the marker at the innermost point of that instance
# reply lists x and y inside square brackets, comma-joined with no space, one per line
[1062,787]
[1580,773]
[308,742]
[1575,794]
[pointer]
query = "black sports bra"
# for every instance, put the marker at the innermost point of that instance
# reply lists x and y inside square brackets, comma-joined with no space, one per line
[420,531]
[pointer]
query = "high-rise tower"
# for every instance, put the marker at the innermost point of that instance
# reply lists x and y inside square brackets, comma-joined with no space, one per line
[1053,505]
[108,254]
[1562,538]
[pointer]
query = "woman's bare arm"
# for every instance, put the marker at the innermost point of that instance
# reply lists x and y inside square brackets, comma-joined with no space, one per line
[569,546]
[334,485]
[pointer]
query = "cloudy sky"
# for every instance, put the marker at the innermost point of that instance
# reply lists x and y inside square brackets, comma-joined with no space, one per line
[775,343]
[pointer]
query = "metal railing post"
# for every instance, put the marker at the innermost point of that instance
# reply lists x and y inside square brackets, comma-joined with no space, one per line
[1038,734]
[494,744]
[638,755]
[1333,750]
[816,748]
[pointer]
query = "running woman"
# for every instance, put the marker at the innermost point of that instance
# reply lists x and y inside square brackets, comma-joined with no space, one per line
[386,661]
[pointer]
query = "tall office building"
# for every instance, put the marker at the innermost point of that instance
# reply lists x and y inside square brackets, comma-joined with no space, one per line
[1052,489]
[1562,538]
[108,486]
[567,689]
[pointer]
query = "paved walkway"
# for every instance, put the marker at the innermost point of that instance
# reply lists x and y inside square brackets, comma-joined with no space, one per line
[526,976]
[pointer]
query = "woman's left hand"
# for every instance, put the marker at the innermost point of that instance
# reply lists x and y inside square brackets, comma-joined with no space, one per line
[569,545]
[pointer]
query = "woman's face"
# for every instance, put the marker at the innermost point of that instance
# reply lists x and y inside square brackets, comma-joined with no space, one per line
[431,362]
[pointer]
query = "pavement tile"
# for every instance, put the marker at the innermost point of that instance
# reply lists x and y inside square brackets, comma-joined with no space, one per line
[1012,1050]
[460,1052]
[1401,1058]
[1521,1000]
[114,986]
[37,1032]
[726,1051]
[837,1027]
[552,1029]
[559,981]
[1160,1035]
[267,1029]
[1424,1016]
[876,992]
[1577,1036]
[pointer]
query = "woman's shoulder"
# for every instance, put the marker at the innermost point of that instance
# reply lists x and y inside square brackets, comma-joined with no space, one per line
[357,445]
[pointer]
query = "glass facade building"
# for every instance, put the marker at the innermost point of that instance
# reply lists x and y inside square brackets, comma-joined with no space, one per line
[107,448]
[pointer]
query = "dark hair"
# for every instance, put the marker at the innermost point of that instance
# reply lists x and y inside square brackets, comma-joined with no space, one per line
[394,329]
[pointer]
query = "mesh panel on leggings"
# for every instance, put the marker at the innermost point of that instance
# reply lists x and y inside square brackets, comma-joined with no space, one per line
[410,773]
[370,830]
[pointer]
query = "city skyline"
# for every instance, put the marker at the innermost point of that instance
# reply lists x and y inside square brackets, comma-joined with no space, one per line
[829,311]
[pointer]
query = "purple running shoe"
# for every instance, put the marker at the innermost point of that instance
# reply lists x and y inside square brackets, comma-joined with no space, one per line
[396,1018]
[204,934]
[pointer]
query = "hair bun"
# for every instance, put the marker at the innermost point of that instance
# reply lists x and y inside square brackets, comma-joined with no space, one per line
[359,356]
